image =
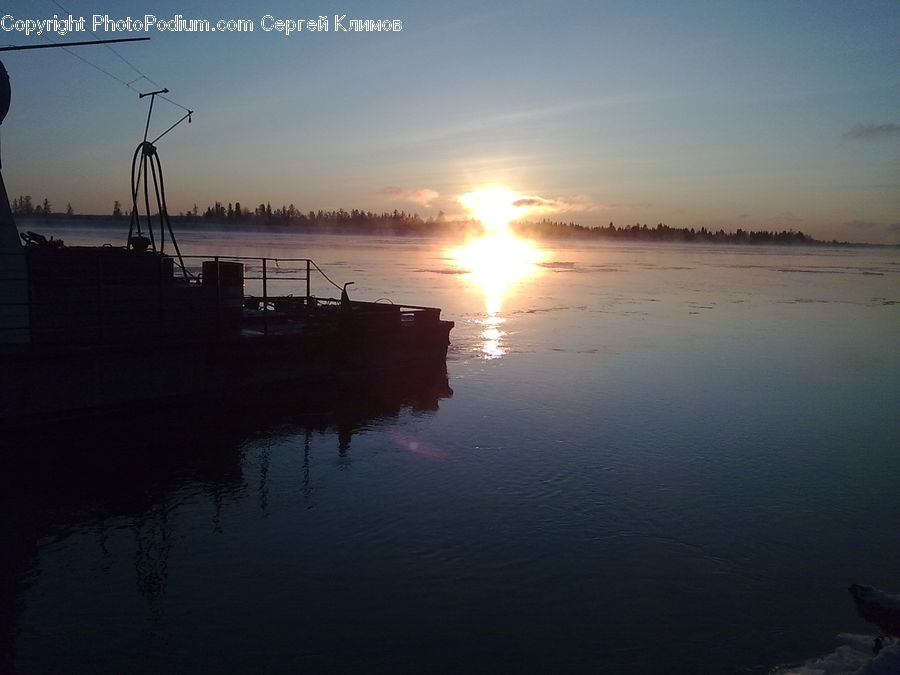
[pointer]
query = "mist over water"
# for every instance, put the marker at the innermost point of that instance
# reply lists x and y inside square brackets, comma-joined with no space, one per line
[665,459]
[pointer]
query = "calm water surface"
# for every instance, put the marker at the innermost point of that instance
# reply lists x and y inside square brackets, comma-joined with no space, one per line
[653,459]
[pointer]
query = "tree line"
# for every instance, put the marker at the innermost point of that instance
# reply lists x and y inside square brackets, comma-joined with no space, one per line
[264,214]
[664,232]
[404,223]
[413,223]
[23,206]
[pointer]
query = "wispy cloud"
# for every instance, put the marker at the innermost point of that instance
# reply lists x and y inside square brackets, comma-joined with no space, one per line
[423,196]
[743,216]
[860,225]
[870,132]
[506,119]
[536,204]
[785,217]
[629,205]
[893,227]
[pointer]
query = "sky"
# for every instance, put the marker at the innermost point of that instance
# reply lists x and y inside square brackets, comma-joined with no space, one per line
[755,114]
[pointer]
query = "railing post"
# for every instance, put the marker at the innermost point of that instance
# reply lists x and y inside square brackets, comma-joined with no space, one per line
[308,273]
[160,299]
[99,298]
[265,290]
[30,294]
[218,297]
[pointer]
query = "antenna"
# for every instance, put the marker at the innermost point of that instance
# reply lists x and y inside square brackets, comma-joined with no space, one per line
[153,95]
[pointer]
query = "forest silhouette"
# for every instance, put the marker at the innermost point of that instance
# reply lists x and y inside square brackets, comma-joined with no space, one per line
[400,223]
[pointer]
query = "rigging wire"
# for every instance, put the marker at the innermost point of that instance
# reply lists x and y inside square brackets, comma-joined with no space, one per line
[140,73]
[327,278]
[92,65]
[124,60]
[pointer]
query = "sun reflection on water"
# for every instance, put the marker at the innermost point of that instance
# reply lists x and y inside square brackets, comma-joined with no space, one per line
[492,347]
[496,261]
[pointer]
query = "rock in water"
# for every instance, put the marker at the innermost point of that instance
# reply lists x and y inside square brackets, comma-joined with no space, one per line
[877,607]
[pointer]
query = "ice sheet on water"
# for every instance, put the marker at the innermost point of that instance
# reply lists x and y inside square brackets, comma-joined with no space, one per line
[442,271]
[854,657]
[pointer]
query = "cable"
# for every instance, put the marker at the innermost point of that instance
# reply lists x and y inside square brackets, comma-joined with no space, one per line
[146,165]
[326,276]
[141,74]
[92,65]
[164,98]
[124,60]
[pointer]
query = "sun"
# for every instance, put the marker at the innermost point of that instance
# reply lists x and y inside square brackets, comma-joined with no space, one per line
[495,208]
[499,259]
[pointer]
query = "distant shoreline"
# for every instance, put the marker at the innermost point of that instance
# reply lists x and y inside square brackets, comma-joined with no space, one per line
[409,226]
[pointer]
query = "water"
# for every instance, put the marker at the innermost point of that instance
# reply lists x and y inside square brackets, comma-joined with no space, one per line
[662,459]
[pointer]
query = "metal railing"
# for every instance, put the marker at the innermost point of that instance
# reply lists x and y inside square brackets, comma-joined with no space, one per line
[267,269]
[103,295]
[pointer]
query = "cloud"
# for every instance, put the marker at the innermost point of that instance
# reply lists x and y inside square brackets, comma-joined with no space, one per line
[893,227]
[868,132]
[743,216]
[620,205]
[785,217]
[860,225]
[536,204]
[423,196]
[504,118]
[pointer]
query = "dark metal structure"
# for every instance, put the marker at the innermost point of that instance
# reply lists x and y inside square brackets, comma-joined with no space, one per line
[97,327]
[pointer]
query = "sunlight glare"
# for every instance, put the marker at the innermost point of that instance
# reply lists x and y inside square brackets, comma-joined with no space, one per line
[492,347]
[497,260]
[494,207]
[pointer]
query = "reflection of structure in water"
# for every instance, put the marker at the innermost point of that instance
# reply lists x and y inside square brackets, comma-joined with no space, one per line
[151,555]
[54,479]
